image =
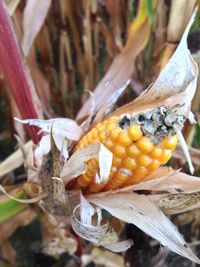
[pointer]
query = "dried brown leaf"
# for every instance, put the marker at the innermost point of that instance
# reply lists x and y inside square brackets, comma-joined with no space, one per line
[177,203]
[24,201]
[194,153]
[34,15]
[8,253]
[120,70]
[177,24]
[56,200]
[56,239]
[103,258]
[12,5]
[176,83]
[10,226]
[115,9]
[41,84]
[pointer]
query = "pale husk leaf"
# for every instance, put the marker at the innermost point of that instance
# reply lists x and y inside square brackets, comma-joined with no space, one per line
[120,246]
[62,129]
[163,179]
[76,166]
[108,106]
[86,211]
[65,127]
[44,146]
[105,163]
[100,235]
[138,210]
[185,150]
[15,160]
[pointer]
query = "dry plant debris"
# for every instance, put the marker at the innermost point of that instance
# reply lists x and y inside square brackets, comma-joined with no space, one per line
[85,174]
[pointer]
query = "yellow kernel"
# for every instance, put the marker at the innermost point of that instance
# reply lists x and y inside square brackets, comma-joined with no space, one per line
[114,169]
[115,132]
[96,140]
[90,168]
[111,126]
[90,172]
[89,138]
[86,143]
[133,151]
[144,160]
[103,136]
[134,132]
[166,155]
[120,177]
[109,144]
[138,174]
[117,180]
[154,165]
[113,119]
[145,145]
[124,139]
[129,163]
[116,161]
[94,133]
[156,153]
[170,142]
[96,187]
[84,180]
[93,163]
[100,127]
[119,151]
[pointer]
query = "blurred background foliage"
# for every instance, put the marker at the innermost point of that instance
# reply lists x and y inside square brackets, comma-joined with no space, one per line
[69,47]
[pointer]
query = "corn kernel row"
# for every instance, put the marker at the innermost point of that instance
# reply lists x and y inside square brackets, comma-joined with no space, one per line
[134,155]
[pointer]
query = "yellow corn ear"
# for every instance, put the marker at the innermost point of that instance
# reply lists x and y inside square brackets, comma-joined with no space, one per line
[134,155]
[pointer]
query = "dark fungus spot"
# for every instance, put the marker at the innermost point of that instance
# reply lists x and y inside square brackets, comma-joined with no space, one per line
[141,118]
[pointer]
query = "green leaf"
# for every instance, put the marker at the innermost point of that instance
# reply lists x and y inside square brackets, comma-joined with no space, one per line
[4,264]
[150,12]
[197,137]
[10,207]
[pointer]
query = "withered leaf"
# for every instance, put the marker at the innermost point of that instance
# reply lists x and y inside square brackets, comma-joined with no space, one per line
[177,203]
[100,234]
[140,211]
[55,201]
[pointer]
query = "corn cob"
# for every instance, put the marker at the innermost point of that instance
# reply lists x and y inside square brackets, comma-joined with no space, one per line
[135,154]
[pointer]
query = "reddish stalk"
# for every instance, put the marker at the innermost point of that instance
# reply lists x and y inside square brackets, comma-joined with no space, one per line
[15,72]
[79,251]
